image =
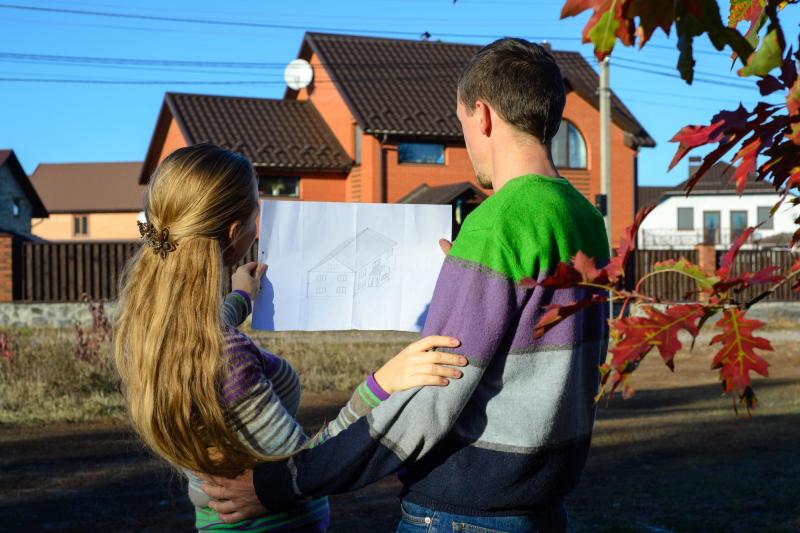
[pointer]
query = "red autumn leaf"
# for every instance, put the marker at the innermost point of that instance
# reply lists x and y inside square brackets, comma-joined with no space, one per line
[747,154]
[748,279]
[737,357]
[555,313]
[564,277]
[607,23]
[616,266]
[657,329]
[726,262]
[691,137]
[586,266]
[652,14]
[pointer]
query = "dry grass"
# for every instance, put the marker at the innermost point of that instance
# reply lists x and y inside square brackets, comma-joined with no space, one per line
[48,382]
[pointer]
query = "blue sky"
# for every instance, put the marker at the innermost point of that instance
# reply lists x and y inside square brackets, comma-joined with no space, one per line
[63,121]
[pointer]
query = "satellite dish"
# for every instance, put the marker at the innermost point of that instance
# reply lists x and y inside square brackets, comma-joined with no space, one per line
[298,74]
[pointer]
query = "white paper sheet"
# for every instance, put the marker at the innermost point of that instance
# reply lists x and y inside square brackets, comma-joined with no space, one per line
[338,266]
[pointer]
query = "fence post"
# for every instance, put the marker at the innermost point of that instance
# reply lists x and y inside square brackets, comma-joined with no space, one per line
[6,267]
[706,257]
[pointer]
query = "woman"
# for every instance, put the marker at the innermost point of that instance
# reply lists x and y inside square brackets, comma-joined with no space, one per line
[200,393]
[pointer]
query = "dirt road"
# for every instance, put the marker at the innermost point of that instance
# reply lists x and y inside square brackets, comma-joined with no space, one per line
[673,458]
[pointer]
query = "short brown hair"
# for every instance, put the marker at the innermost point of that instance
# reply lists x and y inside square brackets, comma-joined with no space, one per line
[522,83]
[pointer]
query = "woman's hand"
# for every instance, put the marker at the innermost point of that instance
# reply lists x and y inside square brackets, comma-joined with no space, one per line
[417,365]
[247,278]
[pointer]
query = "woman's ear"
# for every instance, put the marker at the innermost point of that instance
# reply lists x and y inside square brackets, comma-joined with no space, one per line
[233,231]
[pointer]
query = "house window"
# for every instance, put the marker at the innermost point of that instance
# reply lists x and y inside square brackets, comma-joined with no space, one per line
[16,207]
[80,225]
[279,186]
[568,147]
[341,290]
[429,154]
[765,217]
[738,223]
[357,145]
[685,218]
[341,277]
[320,277]
[320,290]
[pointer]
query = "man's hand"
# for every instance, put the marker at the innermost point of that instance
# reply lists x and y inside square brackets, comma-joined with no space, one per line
[233,499]
[445,245]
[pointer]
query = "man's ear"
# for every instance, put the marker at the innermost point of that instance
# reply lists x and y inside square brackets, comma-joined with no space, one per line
[484,117]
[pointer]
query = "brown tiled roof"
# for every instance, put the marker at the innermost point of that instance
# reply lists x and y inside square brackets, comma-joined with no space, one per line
[650,195]
[717,180]
[284,135]
[90,187]
[8,158]
[402,87]
[441,195]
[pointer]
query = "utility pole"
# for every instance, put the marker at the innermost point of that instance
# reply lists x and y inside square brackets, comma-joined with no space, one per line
[605,145]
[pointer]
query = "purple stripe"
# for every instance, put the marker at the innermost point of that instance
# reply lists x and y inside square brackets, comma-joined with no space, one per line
[376,389]
[247,299]
[474,306]
[585,326]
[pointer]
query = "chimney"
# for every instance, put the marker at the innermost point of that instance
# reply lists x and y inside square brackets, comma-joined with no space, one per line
[547,46]
[694,164]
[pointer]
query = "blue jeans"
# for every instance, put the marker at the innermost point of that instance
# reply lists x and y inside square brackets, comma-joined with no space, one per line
[419,519]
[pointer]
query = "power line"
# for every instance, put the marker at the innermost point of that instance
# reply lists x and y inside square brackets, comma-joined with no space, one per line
[252,24]
[144,82]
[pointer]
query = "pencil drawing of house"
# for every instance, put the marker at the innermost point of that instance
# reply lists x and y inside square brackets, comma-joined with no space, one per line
[365,261]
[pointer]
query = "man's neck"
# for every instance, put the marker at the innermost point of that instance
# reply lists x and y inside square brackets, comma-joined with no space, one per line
[513,159]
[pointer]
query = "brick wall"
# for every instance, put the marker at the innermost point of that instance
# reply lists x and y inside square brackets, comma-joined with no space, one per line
[6,267]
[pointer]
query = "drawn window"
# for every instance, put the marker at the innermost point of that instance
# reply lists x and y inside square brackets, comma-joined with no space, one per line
[321,277]
[279,186]
[764,216]
[341,290]
[685,218]
[424,153]
[568,147]
[80,225]
[341,277]
[320,290]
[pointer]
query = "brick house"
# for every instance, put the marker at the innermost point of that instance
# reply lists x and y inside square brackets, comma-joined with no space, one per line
[89,201]
[19,201]
[378,124]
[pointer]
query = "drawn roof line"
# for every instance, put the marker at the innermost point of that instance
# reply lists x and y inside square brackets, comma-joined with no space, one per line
[384,244]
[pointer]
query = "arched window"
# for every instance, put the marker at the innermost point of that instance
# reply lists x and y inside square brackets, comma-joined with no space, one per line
[568,147]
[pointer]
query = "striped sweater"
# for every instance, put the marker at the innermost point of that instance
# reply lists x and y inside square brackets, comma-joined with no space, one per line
[512,435]
[261,396]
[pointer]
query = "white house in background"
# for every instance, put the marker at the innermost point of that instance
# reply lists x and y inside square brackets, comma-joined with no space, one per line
[713,213]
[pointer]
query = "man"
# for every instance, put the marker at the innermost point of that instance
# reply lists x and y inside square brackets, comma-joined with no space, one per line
[500,448]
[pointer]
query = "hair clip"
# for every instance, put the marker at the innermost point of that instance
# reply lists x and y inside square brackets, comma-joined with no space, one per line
[160,244]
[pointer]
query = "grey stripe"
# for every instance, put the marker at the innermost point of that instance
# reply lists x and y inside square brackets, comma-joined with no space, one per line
[522,450]
[556,347]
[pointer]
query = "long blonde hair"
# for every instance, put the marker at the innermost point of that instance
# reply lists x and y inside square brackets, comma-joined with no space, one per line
[168,337]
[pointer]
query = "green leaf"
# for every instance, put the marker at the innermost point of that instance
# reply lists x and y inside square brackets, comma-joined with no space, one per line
[703,280]
[603,34]
[766,58]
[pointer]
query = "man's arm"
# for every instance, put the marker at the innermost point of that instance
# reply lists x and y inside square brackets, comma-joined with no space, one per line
[476,300]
